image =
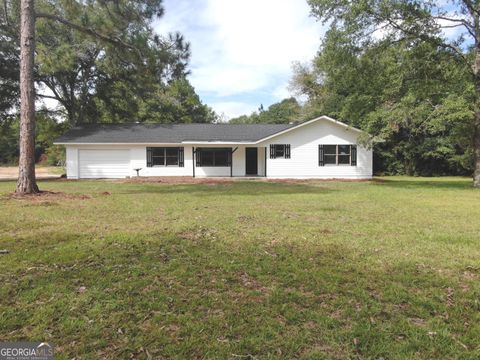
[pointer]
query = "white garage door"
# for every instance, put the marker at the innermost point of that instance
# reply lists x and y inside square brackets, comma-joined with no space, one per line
[95,164]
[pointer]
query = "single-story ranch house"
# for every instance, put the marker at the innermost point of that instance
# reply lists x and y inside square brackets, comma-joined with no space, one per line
[319,148]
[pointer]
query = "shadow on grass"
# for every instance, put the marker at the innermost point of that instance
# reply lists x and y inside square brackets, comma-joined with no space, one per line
[230,189]
[426,183]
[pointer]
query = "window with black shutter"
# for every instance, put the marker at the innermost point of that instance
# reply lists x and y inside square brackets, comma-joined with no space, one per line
[321,155]
[149,157]
[280,151]
[198,156]
[165,156]
[181,157]
[337,155]
[353,162]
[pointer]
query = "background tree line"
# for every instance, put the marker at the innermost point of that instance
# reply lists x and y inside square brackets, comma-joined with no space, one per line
[94,79]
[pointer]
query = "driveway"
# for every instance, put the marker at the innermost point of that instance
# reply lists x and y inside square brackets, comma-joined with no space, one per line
[42,173]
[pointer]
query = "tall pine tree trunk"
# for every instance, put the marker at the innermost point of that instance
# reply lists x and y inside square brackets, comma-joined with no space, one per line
[476,69]
[26,183]
[476,148]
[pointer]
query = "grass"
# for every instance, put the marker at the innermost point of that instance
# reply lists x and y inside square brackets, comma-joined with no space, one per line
[318,270]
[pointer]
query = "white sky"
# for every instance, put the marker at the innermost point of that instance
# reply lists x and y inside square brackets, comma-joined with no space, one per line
[242,50]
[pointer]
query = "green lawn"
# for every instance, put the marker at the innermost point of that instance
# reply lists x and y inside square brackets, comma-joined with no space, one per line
[320,270]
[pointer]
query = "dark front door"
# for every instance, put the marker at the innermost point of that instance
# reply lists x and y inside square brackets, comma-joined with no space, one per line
[251,156]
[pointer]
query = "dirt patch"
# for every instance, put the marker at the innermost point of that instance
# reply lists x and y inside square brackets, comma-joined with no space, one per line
[251,283]
[47,197]
[315,181]
[198,234]
[228,180]
[177,180]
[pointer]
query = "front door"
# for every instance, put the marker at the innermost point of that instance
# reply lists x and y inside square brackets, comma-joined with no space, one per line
[251,157]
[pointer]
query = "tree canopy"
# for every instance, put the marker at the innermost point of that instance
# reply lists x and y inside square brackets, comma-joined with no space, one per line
[428,112]
[113,70]
[283,112]
[415,99]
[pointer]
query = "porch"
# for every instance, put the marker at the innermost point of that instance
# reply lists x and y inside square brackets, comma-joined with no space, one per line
[234,161]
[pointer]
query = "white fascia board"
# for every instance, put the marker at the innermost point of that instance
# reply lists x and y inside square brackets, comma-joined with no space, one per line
[117,144]
[162,144]
[217,143]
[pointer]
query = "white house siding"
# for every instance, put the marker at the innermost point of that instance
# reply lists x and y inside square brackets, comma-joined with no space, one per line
[137,159]
[303,162]
[72,162]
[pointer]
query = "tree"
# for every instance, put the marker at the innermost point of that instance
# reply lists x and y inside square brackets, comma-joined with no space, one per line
[410,22]
[283,112]
[81,72]
[176,102]
[9,70]
[26,183]
[47,128]
[414,98]
[115,24]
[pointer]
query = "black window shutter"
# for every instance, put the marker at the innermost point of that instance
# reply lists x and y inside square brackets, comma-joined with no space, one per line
[287,151]
[272,151]
[321,156]
[354,155]
[198,156]
[149,157]
[181,162]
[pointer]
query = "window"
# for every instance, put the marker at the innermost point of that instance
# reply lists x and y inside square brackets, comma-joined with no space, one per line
[171,156]
[280,151]
[343,154]
[337,155]
[215,157]
[330,157]
[158,157]
[165,156]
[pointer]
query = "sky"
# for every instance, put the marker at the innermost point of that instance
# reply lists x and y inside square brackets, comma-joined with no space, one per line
[243,50]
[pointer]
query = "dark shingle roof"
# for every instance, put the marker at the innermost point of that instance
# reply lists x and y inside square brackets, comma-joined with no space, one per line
[169,133]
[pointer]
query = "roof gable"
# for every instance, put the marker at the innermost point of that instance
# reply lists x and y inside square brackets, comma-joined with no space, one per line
[306,123]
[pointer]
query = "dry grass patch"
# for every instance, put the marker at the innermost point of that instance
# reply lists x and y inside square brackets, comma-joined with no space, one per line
[45,197]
